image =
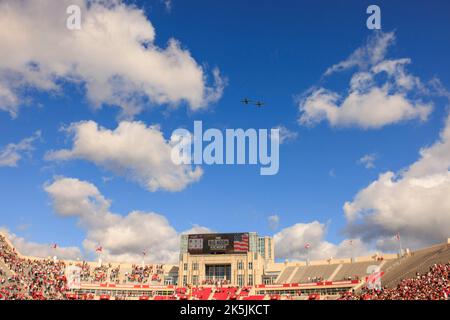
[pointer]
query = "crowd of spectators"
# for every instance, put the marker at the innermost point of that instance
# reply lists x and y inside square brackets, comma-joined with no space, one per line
[31,279]
[314,279]
[145,273]
[431,285]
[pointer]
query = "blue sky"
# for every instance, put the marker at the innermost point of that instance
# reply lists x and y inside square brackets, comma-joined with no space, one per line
[275,52]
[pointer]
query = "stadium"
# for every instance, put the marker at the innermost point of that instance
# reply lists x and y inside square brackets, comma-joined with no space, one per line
[236,266]
[216,154]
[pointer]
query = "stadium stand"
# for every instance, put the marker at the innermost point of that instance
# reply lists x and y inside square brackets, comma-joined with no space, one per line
[285,274]
[423,274]
[418,261]
[430,285]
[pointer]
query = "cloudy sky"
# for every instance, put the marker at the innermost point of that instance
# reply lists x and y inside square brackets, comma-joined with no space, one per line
[86,118]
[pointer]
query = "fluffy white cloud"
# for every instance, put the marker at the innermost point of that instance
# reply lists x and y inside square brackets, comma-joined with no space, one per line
[11,154]
[123,238]
[274,221]
[368,160]
[196,229]
[113,57]
[381,91]
[414,202]
[133,150]
[290,243]
[41,250]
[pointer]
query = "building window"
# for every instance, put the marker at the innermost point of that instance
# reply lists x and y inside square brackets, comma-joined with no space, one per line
[250,280]
[270,247]
[185,267]
[240,265]
[240,280]
[184,280]
[195,280]
[261,246]
[195,266]
[250,265]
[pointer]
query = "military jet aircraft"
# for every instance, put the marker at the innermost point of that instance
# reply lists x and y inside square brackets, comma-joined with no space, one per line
[246,101]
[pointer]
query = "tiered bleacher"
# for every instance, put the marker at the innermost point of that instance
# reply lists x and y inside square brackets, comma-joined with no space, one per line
[431,285]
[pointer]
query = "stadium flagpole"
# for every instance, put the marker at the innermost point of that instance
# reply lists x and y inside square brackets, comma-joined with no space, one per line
[307,246]
[400,243]
[144,253]
[351,250]
[54,247]
[99,251]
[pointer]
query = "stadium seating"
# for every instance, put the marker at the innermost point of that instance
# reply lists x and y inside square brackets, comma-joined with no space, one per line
[418,261]
[224,293]
[423,274]
[201,293]
[355,270]
[433,284]
[254,297]
[285,274]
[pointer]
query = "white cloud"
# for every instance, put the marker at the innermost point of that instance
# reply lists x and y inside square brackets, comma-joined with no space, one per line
[368,160]
[286,135]
[133,150]
[371,53]
[122,237]
[11,154]
[196,229]
[113,57]
[414,202]
[381,91]
[332,173]
[290,243]
[274,221]
[42,250]
[168,4]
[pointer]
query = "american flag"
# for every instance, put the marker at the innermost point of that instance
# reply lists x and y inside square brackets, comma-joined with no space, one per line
[240,242]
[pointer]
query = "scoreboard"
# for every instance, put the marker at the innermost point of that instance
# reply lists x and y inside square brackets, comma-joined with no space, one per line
[216,243]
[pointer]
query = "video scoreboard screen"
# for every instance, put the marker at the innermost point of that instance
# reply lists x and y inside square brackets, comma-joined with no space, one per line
[214,243]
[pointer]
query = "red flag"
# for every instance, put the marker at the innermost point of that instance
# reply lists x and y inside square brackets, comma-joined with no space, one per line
[99,249]
[54,246]
[307,246]
[397,236]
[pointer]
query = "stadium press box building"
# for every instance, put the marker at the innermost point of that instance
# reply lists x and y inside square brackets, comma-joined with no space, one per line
[237,259]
